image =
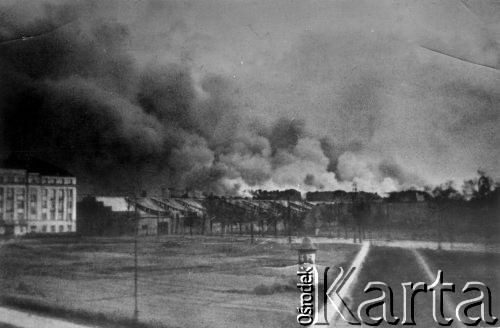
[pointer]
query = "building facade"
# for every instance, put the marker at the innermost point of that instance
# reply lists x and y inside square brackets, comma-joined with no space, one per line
[37,201]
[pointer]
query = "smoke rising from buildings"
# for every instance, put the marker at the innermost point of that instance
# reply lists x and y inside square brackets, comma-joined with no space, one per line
[135,95]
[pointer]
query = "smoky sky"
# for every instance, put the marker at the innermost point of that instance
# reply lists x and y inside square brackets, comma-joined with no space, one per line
[224,96]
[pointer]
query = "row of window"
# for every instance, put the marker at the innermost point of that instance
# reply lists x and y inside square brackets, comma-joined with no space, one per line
[53,217]
[55,194]
[53,227]
[17,178]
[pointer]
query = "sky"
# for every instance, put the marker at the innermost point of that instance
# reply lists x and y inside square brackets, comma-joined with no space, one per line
[227,96]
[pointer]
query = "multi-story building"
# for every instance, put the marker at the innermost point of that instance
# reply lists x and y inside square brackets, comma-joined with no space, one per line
[36,197]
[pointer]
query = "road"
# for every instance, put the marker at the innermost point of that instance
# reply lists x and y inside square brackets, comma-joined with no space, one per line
[409,244]
[27,320]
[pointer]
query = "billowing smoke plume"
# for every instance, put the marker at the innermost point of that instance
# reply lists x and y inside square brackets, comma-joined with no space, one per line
[76,90]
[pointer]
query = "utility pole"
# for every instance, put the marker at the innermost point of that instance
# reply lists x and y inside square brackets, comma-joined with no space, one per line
[158,225]
[136,221]
[356,213]
[289,222]
[27,199]
[251,226]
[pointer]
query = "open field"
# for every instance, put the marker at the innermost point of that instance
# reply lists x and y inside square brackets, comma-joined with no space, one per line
[213,281]
[183,282]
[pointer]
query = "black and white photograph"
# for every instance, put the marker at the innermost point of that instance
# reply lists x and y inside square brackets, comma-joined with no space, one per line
[249,163]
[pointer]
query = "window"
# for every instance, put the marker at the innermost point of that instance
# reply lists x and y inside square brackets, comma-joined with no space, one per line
[60,204]
[20,216]
[61,228]
[44,216]
[70,198]
[33,196]
[52,199]
[33,228]
[44,228]
[69,217]
[33,201]
[69,228]
[9,204]
[20,198]
[44,197]
[52,228]
[1,199]
[52,216]
[144,227]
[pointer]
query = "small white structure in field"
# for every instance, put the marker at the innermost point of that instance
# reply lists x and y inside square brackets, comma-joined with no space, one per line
[307,252]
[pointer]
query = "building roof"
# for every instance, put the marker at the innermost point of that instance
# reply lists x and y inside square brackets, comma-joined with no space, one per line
[170,203]
[34,165]
[117,204]
[191,204]
[307,245]
[147,203]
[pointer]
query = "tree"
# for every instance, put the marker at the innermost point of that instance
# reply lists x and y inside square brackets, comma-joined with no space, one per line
[469,189]
[190,221]
[446,191]
[483,185]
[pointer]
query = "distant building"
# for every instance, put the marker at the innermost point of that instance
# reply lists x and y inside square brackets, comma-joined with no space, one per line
[146,216]
[181,193]
[36,197]
[408,196]
[176,193]
[105,216]
[289,194]
[341,196]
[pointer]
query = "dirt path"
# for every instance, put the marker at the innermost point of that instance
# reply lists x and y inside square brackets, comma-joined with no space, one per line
[410,244]
[346,292]
[448,304]
[27,320]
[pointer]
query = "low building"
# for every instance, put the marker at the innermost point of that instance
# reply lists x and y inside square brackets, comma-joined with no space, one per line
[146,216]
[408,196]
[105,216]
[36,197]
[341,196]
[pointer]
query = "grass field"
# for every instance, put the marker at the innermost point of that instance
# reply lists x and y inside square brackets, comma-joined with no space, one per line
[183,282]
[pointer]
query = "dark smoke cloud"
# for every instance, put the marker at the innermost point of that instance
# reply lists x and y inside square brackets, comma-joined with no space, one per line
[285,134]
[390,168]
[333,150]
[73,95]
[89,86]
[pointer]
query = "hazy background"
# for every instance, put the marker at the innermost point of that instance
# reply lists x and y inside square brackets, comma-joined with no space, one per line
[227,95]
